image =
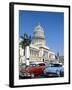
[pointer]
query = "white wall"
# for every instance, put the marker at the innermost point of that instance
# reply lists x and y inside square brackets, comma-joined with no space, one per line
[4,44]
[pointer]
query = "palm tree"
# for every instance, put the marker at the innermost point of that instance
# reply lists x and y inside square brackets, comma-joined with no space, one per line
[26,41]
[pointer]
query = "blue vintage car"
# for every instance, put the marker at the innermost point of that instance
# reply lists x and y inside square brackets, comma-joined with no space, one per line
[54,69]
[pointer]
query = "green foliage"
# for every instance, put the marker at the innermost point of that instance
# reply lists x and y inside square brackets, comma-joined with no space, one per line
[26,40]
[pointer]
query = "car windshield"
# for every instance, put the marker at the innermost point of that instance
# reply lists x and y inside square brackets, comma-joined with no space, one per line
[55,65]
[33,65]
[41,64]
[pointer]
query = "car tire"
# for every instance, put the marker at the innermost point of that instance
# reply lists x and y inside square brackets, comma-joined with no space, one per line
[61,74]
[32,75]
[58,73]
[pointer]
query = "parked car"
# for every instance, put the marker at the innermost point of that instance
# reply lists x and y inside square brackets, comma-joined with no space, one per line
[21,70]
[54,69]
[33,70]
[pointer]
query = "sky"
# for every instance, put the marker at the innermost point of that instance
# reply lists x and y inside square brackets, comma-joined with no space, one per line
[52,23]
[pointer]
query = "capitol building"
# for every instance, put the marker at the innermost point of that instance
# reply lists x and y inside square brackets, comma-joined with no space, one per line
[38,49]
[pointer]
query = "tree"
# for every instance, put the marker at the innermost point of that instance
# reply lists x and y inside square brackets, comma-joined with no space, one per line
[26,41]
[58,56]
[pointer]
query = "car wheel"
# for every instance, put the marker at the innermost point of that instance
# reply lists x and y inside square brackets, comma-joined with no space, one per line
[32,75]
[61,74]
[58,73]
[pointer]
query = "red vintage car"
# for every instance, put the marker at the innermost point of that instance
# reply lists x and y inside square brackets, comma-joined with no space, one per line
[34,70]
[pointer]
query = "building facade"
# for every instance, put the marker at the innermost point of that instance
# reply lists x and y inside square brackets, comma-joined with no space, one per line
[38,49]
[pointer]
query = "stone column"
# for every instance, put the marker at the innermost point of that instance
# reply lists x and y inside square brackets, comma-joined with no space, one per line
[27,55]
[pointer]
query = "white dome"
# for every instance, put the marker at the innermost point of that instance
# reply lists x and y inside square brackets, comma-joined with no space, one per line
[39,32]
[38,36]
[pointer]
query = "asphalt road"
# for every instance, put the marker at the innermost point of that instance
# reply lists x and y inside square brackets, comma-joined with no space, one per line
[42,76]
